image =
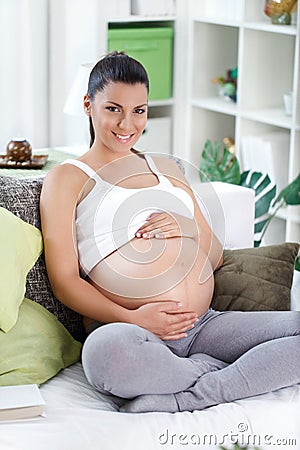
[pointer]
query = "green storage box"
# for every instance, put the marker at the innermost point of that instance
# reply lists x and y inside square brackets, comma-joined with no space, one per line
[153,47]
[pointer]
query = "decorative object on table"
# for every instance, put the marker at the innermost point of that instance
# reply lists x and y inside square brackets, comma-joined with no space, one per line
[221,165]
[19,156]
[227,86]
[18,150]
[280,11]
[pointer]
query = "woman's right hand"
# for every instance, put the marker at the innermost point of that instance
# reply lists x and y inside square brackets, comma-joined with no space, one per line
[165,319]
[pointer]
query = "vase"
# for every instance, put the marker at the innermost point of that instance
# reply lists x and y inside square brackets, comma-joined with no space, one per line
[280,11]
[18,150]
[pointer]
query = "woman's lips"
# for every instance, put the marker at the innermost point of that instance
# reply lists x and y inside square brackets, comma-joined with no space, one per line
[124,138]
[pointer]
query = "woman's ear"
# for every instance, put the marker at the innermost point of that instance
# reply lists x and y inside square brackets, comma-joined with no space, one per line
[87,104]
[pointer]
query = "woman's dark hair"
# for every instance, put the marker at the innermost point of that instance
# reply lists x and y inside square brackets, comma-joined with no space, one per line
[115,67]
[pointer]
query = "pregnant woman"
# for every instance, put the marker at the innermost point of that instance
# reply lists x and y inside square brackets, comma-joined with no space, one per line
[127,246]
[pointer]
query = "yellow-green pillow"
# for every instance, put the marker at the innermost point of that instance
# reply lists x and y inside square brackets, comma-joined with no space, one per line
[36,348]
[21,245]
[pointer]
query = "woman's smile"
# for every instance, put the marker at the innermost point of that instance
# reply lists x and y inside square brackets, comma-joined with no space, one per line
[123,138]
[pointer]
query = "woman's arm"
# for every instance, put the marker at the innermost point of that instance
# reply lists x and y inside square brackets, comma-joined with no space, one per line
[197,228]
[60,193]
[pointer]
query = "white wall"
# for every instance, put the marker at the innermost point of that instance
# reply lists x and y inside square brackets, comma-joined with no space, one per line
[75,38]
[42,44]
[23,73]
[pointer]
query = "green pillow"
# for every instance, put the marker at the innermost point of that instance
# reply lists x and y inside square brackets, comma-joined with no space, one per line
[36,348]
[256,279]
[21,245]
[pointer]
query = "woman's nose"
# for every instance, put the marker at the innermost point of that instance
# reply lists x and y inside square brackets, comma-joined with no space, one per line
[125,122]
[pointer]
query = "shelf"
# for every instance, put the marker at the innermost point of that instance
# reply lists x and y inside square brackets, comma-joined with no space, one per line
[158,103]
[237,33]
[216,104]
[222,22]
[284,214]
[136,18]
[269,27]
[270,116]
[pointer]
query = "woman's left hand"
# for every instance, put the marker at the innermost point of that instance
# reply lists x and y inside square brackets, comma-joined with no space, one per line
[167,225]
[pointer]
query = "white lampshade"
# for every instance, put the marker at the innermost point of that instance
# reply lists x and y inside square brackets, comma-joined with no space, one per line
[74,102]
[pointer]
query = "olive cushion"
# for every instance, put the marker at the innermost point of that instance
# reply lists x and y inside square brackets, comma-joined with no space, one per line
[256,279]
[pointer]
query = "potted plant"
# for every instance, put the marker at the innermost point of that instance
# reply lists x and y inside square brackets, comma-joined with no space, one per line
[220,164]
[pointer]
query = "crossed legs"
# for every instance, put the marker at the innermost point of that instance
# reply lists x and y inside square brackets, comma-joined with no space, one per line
[227,356]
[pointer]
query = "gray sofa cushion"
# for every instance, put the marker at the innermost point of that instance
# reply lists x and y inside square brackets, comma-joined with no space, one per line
[20,195]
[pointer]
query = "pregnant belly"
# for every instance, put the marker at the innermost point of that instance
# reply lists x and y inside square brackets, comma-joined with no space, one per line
[144,271]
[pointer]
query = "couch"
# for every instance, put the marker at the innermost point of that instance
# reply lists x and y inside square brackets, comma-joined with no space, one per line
[77,416]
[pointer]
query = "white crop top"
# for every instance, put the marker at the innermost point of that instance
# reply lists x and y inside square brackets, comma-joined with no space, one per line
[109,216]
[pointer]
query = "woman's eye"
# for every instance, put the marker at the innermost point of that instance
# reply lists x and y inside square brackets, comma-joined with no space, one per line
[139,111]
[112,108]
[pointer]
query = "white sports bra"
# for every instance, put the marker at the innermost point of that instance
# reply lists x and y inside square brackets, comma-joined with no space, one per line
[109,216]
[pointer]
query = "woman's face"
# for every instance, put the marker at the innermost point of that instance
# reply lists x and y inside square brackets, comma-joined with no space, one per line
[119,115]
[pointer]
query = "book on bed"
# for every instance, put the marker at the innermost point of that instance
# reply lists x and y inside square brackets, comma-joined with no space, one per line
[20,402]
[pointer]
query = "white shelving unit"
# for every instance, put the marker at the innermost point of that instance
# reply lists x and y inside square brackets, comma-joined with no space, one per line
[237,33]
[211,37]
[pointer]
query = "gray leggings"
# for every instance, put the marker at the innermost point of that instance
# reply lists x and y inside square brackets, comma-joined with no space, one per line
[226,356]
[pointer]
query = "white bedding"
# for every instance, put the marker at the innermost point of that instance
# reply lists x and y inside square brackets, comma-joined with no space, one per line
[79,418]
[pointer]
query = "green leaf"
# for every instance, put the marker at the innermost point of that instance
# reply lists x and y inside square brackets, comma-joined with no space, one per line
[263,184]
[264,189]
[219,165]
[259,226]
[265,192]
[254,177]
[291,193]
[262,204]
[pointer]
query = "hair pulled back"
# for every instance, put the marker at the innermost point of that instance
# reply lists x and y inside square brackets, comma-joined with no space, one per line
[116,67]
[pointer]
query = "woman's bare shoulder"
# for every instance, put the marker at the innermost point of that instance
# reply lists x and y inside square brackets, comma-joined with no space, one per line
[61,171]
[64,176]
[169,168]
[61,190]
